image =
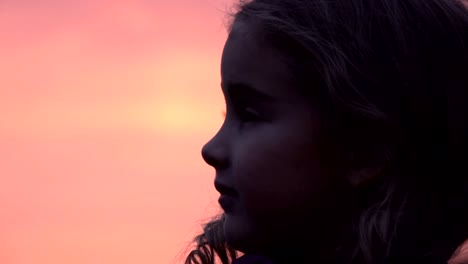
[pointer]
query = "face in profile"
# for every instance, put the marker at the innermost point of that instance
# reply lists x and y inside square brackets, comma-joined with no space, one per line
[267,157]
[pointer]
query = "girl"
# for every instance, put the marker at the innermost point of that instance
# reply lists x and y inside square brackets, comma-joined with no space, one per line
[345,135]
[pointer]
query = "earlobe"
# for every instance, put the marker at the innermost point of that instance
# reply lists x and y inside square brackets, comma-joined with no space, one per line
[366,166]
[363,177]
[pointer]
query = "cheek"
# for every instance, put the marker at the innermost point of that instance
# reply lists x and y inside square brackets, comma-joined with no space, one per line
[278,172]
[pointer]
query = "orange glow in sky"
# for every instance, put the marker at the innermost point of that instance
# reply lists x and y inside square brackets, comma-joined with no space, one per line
[104,108]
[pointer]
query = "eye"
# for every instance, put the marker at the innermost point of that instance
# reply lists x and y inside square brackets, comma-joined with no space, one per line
[242,115]
[247,115]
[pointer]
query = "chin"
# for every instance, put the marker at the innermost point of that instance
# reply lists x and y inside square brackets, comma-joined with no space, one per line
[239,234]
[236,232]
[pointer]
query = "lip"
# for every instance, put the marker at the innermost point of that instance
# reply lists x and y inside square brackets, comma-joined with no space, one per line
[228,196]
[225,189]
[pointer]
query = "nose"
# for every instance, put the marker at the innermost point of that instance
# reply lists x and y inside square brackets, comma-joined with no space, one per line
[215,152]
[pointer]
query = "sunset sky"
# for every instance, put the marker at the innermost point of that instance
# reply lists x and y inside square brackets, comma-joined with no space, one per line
[104,106]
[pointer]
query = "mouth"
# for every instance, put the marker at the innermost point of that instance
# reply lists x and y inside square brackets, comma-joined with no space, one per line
[225,190]
[227,198]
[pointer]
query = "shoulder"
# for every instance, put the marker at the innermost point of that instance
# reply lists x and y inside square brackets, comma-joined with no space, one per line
[461,255]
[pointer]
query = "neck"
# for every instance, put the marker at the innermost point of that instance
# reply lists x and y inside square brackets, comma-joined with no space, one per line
[319,238]
[318,246]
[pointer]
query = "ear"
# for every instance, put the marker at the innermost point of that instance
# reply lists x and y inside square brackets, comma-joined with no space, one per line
[363,177]
[366,164]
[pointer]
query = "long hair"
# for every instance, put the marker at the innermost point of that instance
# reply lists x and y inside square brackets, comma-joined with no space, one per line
[391,81]
[211,245]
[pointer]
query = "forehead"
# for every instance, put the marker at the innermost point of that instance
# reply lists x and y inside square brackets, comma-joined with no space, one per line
[248,58]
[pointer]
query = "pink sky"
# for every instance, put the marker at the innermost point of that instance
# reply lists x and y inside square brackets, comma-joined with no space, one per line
[104,108]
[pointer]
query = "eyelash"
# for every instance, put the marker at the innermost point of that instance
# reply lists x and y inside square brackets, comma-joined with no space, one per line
[245,114]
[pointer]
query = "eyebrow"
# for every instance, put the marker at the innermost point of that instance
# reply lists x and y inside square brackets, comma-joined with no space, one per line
[242,89]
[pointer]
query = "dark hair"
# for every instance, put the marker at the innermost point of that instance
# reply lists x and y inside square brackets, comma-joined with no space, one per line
[393,92]
[211,245]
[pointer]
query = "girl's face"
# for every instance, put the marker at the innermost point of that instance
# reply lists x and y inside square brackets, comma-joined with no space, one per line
[269,168]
